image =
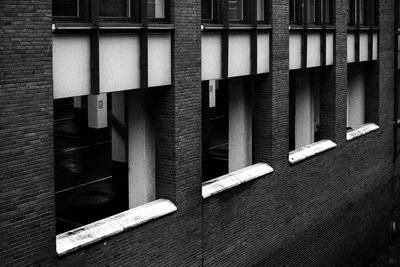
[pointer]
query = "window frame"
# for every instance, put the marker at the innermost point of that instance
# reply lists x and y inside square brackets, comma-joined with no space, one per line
[87,9]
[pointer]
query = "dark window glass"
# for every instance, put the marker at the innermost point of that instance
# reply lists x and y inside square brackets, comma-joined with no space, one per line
[113,8]
[68,8]
[235,10]
[327,11]
[215,129]
[311,11]
[207,9]
[295,12]
[261,10]
[155,9]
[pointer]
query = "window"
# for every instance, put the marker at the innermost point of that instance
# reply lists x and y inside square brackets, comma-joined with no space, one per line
[238,11]
[120,10]
[304,107]
[113,8]
[104,156]
[155,9]
[235,10]
[362,12]
[318,11]
[65,8]
[227,132]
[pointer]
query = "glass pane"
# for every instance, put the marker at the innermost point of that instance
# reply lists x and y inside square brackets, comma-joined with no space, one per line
[327,17]
[207,9]
[113,8]
[235,10]
[155,9]
[362,8]
[311,11]
[260,10]
[65,8]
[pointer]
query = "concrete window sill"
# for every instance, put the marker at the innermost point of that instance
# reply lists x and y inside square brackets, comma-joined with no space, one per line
[235,178]
[360,131]
[91,233]
[310,150]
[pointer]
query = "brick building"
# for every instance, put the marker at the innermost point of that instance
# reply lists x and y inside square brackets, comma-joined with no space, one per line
[189,133]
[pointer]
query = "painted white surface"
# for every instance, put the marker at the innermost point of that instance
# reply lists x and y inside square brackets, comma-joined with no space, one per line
[119,62]
[294,51]
[313,50]
[239,54]
[360,131]
[71,65]
[233,179]
[211,48]
[159,49]
[304,126]
[355,95]
[363,47]
[310,150]
[99,230]
[351,57]
[375,46]
[141,151]
[329,49]
[118,135]
[97,111]
[263,50]
[240,126]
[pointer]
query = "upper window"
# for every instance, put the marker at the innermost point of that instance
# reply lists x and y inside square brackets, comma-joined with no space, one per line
[362,12]
[113,8]
[156,9]
[238,11]
[129,10]
[65,8]
[310,11]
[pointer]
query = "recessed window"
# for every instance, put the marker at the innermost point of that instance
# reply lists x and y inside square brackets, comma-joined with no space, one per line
[113,8]
[304,111]
[65,8]
[227,131]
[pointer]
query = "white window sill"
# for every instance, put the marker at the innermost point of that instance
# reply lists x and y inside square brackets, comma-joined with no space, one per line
[235,178]
[310,150]
[88,234]
[360,131]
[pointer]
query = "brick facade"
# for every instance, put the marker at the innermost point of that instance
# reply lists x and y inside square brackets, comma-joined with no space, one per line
[331,209]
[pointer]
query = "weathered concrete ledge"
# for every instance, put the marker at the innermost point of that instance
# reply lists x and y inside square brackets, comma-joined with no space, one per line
[360,131]
[91,233]
[235,178]
[310,150]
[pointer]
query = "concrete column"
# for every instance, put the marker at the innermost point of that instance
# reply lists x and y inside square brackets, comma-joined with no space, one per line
[304,133]
[118,132]
[356,96]
[97,111]
[141,151]
[240,125]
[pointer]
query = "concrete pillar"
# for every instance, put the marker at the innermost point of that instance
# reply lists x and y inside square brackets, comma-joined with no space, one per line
[240,125]
[97,111]
[356,96]
[141,151]
[304,124]
[118,130]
